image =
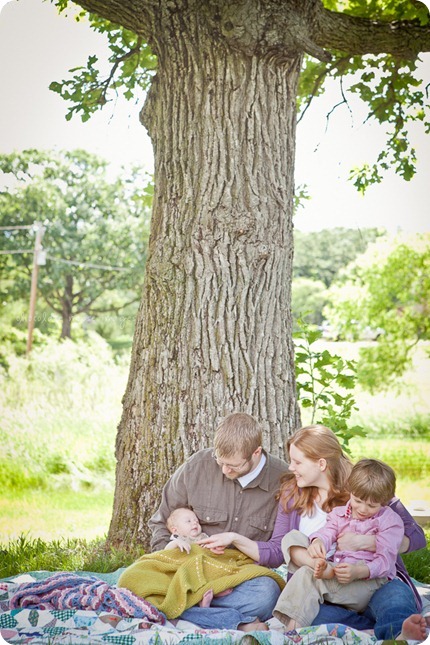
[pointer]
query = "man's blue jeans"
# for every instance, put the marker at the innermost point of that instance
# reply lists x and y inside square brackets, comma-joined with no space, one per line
[249,600]
[385,613]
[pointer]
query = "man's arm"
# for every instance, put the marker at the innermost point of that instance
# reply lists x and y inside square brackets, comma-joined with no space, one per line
[174,495]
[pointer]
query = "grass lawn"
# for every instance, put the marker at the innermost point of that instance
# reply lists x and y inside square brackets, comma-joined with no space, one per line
[55,514]
[52,515]
[410,459]
[57,463]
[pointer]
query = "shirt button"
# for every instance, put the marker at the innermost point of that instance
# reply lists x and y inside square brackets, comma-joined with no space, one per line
[236,519]
[207,518]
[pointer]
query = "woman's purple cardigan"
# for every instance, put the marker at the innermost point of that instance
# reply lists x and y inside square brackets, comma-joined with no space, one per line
[271,553]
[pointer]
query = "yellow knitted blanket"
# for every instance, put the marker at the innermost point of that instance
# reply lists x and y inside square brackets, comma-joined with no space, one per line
[173,580]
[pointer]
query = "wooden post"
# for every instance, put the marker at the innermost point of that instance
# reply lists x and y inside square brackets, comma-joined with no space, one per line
[33,292]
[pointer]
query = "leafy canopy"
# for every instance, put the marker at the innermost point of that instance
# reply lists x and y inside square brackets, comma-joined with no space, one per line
[132,67]
[391,88]
[95,236]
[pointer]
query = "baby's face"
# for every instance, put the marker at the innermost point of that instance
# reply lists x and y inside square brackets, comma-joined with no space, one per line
[187,524]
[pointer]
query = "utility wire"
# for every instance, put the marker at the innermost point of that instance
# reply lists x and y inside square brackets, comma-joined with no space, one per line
[13,228]
[20,251]
[105,267]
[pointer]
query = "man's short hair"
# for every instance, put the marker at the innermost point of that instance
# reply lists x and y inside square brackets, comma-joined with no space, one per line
[238,432]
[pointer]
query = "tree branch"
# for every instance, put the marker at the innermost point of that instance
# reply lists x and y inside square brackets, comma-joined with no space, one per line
[359,36]
[49,303]
[271,27]
[104,310]
[106,83]
[134,15]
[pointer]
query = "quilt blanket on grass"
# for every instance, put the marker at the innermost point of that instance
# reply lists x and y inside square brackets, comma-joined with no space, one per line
[111,624]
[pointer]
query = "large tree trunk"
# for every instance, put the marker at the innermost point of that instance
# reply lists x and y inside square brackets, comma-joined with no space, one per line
[214,330]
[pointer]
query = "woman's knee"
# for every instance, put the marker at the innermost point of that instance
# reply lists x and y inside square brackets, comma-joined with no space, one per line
[294,538]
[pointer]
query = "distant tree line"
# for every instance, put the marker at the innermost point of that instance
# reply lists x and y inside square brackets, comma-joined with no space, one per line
[354,284]
[95,232]
[319,256]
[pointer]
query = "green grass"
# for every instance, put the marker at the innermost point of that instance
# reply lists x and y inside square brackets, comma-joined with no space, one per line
[418,562]
[409,458]
[121,344]
[26,554]
[55,513]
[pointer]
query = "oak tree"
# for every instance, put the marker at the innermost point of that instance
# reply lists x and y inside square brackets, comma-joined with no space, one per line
[214,329]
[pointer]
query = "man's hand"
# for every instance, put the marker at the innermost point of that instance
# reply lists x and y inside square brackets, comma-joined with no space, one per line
[346,572]
[316,549]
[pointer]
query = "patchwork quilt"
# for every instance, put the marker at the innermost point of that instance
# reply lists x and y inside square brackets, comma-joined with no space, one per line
[85,608]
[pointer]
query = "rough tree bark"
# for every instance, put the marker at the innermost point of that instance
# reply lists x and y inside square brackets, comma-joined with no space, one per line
[214,330]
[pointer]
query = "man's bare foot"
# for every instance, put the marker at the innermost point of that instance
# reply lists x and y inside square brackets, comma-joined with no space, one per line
[226,592]
[413,628]
[207,599]
[322,569]
[255,626]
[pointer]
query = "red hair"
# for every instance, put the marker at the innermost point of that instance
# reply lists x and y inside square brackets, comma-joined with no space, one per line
[316,442]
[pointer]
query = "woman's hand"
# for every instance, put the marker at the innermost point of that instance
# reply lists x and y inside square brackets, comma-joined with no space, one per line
[217,543]
[220,541]
[356,542]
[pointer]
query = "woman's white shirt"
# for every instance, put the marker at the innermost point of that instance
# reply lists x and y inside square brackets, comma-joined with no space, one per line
[309,524]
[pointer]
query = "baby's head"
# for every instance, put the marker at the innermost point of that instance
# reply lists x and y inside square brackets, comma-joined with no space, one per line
[183,522]
[372,484]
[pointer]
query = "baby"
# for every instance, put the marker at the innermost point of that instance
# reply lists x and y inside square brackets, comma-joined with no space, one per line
[185,530]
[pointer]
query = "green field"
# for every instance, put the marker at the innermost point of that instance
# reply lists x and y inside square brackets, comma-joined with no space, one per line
[58,426]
